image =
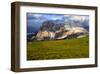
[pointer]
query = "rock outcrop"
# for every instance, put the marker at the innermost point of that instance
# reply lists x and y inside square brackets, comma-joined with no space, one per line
[53,30]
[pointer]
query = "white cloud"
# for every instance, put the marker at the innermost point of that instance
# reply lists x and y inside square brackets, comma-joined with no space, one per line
[78,18]
[67,15]
[55,18]
[37,16]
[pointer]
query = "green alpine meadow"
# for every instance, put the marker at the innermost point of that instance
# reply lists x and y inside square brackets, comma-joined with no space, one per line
[58,49]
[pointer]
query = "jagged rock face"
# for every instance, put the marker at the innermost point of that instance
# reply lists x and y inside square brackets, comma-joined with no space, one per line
[52,30]
[45,35]
[74,32]
[51,25]
[48,30]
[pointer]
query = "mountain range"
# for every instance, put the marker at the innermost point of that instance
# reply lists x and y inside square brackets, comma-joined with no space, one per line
[60,29]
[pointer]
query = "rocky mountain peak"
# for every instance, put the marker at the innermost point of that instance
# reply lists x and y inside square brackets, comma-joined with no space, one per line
[58,29]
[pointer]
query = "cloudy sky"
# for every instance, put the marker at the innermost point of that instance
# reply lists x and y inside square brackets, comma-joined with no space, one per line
[35,20]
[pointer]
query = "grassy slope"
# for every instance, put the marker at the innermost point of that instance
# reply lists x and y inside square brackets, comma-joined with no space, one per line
[58,49]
